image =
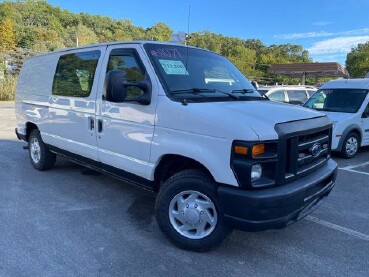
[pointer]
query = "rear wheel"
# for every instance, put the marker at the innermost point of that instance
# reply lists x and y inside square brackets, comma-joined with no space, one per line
[350,146]
[41,158]
[189,213]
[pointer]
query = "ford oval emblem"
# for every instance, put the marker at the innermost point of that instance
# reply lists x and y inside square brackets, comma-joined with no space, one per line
[315,149]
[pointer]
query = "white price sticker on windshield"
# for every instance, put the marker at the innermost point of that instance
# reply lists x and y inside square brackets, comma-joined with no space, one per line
[173,67]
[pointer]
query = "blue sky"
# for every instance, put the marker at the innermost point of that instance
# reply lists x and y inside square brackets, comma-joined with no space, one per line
[327,28]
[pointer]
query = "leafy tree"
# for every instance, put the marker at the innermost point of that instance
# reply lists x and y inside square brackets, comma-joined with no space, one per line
[47,39]
[357,61]
[160,32]
[125,30]
[84,35]
[26,37]
[244,59]
[7,41]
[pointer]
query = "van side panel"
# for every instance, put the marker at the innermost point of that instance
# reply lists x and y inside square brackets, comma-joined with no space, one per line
[33,92]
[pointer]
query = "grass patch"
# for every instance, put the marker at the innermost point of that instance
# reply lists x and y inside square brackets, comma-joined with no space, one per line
[7,88]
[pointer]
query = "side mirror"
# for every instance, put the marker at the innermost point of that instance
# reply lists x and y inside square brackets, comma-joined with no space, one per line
[118,89]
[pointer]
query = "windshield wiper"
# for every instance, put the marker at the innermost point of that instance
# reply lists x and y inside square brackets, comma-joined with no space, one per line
[200,90]
[192,90]
[243,91]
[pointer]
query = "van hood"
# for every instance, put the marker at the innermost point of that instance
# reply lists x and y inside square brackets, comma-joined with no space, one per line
[335,117]
[243,120]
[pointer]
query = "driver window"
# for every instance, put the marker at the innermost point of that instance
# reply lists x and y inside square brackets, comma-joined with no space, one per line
[320,99]
[134,73]
[316,101]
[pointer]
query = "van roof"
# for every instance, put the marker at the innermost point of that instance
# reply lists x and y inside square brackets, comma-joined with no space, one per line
[287,87]
[362,83]
[112,43]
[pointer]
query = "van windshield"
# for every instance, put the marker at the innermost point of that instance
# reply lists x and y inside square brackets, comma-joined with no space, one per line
[198,75]
[337,100]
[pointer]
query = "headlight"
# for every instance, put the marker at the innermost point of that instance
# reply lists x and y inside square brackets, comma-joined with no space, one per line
[256,172]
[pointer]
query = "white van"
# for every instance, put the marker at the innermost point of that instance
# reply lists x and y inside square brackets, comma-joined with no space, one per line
[346,103]
[181,121]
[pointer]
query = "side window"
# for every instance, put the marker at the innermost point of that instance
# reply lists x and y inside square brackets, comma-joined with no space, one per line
[277,95]
[316,101]
[128,62]
[75,74]
[297,96]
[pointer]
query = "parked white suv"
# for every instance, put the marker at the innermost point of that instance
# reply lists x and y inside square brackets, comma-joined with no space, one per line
[182,121]
[296,95]
[345,102]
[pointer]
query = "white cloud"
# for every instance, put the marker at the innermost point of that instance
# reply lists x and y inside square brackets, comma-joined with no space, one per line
[304,35]
[336,45]
[356,32]
[330,58]
[321,23]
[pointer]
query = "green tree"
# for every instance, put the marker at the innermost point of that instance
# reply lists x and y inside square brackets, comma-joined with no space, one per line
[244,58]
[7,41]
[125,30]
[357,61]
[85,35]
[160,31]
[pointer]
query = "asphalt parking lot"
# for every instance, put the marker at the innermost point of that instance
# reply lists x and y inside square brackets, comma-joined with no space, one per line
[73,221]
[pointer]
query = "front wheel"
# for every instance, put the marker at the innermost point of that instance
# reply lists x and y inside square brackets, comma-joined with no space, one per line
[189,213]
[350,146]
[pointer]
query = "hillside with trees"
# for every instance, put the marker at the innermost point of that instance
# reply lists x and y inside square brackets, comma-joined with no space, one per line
[33,26]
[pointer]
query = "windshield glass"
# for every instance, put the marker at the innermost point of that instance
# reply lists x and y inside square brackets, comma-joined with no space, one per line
[337,100]
[199,75]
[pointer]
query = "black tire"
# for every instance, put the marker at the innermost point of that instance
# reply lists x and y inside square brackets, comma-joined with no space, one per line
[190,180]
[349,153]
[46,159]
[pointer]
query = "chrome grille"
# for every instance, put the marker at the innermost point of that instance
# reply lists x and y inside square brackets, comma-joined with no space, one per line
[307,151]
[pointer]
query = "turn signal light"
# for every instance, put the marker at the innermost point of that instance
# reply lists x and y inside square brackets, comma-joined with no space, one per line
[241,150]
[258,149]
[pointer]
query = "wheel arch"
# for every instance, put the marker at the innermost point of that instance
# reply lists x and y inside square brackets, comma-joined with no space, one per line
[30,126]
[353,128]
[170,164]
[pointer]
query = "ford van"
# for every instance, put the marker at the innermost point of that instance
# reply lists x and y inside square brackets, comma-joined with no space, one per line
[185,123]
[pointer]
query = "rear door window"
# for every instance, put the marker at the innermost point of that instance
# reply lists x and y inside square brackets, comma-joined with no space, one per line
[75,74]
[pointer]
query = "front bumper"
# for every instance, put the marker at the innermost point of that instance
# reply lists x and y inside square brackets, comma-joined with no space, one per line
[275,208]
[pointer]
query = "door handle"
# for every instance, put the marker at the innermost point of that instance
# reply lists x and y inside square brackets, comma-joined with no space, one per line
[91,123]
[99,125]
